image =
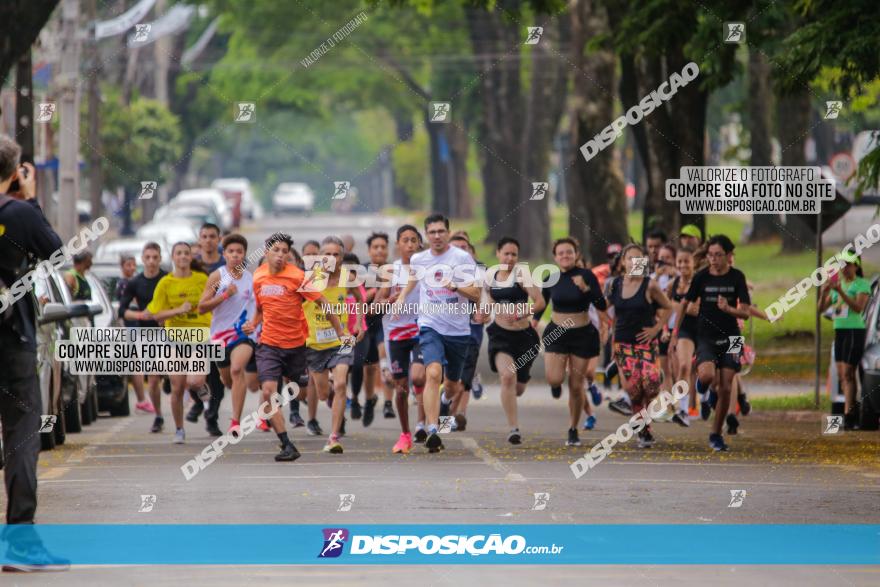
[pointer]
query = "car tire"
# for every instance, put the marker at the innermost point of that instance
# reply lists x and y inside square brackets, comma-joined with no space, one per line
[868,416]
[60,430]
[88,411]
[121,409]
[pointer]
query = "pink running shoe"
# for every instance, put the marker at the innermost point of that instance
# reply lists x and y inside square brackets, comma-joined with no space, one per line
[145,406]
[404,444]
[264,425]
[234,428]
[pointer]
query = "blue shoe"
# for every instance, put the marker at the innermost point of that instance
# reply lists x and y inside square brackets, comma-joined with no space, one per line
[716,441]
[31,558]
[713,398]
[590,423]
[595,395]
[705,408]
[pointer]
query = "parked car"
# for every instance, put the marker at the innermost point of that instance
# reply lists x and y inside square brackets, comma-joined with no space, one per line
[293,197]
[109,252]
[210,196]
[195,213]
[171,231]
[237,189]
[112,390]
[869,418]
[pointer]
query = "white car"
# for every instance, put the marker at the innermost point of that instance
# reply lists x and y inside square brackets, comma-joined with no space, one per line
[210,196]
[196,214]
[110,252]
[171,231]
[232,185]
[293,197]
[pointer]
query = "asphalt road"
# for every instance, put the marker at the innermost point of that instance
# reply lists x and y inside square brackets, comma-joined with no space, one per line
[791,474]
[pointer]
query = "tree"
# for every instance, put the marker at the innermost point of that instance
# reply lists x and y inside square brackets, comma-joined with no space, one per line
[20,23]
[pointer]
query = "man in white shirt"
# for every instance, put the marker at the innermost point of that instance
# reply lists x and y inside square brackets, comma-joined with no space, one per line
[445,277]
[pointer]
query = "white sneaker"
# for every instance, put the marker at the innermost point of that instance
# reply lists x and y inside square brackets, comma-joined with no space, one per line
[179,436]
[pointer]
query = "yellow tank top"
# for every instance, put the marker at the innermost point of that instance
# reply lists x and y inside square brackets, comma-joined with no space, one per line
[321,333]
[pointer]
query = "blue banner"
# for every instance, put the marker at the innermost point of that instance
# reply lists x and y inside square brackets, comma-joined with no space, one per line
[271,544]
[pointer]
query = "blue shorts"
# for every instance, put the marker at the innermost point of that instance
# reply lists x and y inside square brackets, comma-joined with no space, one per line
[449,351]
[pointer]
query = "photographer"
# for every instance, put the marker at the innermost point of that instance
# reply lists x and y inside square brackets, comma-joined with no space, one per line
[25,234]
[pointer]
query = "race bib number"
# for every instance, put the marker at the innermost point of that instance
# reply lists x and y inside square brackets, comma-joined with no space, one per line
[326,335]
[841,311]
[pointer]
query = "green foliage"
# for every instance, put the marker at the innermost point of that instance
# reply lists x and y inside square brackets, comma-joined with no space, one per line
[411,168]
[140,142]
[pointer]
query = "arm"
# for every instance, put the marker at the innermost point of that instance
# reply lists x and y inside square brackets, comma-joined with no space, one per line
[70,280]
[545,293]
[856,303]
[211,297]
[538,301]
[251,325]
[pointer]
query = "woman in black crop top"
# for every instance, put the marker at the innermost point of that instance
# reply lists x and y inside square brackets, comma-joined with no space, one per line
[570,339]
[637,321]
[513,341]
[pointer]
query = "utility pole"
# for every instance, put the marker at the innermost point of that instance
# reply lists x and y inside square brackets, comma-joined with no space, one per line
[96,175]
[24,107]
[68,168]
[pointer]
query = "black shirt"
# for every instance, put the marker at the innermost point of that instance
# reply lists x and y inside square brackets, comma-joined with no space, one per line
[25,233]
[568,298]
[688,323]
[632,314]
[715,324]
[140,288]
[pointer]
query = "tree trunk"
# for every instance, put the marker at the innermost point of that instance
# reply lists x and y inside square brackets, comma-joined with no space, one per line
[596,198]
[404,127]
[764,226]
[458,143]
[793,117]
[500,128]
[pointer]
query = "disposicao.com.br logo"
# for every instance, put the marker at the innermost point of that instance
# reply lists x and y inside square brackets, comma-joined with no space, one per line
[334,540]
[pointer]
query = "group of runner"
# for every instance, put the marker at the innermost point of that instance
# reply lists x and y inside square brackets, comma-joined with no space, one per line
[664,312]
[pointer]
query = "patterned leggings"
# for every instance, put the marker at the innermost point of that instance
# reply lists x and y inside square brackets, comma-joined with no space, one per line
[638,363]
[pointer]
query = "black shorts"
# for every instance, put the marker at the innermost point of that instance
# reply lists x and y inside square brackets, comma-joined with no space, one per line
[710,349]
[849,345]
[687,333]
[274,362]
[581,342]
[520,345]
[470,365]
[402,353]
[251,366]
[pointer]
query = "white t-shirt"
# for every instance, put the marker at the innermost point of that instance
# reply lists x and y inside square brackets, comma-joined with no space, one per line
[404,326]
[442,309]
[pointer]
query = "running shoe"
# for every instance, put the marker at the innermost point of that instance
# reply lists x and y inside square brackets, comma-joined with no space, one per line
[646,439]
[716,441]
[514,437]
[288,453]
[851,418]
[388,411]
[32,558]
[590,423]
[705,408]
[477,387]
[296,420]
[713,398]
[556,391]
[621,407]
[404,444]
[342,427]
[370,410]
[194,412]
[666,416]
[595,395]
[355,409]
[693,413]
[744,406]
[573,439]
[434,443]
[234,429]
[333,446]
[158,424]
[179,436]
[145,406]
[264,425]
[212,428]
[314,429]
[681,418]
[420,436]
[732,424]
[460,422]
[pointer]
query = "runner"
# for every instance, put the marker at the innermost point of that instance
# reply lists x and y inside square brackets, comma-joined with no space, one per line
[128,268]
[211,259]
[330,348]
[75,277]
[186,283]
[664,273]
[280,291]
[687,332]
[444,319]
[717,323]
[590,373]
[570,339]
[311,248]
[401,339]
[229,297]
[139,291]
[653,242]
[513,341]
[635,298]
[360,353]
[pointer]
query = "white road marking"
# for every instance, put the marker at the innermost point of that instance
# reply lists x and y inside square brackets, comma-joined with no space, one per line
[487,458]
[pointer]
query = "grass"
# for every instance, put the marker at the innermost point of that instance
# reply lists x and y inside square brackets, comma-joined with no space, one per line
[804,401]
[790,339]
